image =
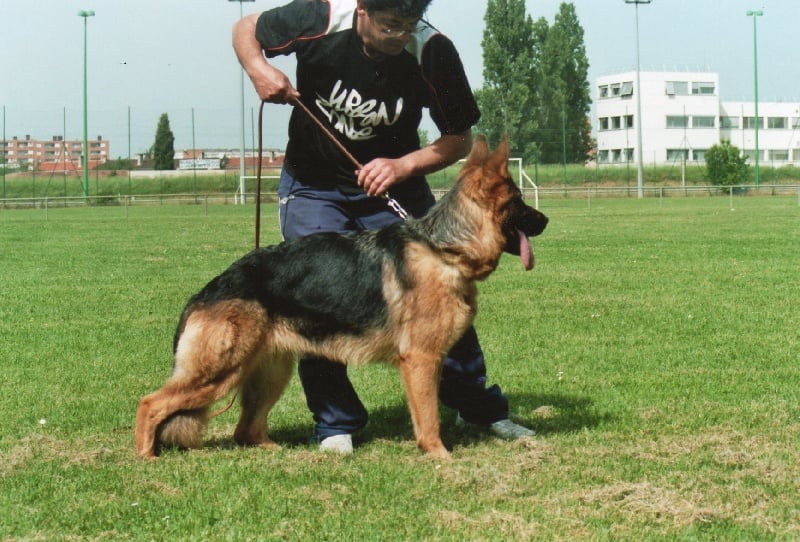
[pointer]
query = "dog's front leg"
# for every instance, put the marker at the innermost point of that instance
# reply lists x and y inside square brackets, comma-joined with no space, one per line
[421,372]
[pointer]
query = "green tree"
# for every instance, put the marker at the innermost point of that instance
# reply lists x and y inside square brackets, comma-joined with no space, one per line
[423,137]
[506,97]
[535,83]
[725,165]
[564,94]
[164,147]
[117,164]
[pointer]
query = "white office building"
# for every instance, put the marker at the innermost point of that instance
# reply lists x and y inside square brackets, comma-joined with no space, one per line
[682,117]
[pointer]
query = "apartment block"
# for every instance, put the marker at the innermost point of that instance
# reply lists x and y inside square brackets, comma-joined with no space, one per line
[683,116]
[55,154]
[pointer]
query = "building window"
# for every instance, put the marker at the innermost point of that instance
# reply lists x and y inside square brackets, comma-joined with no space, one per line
[603,123]
[795,122]
[703,89]
[602,157]
[796,155]
[627,89]
[699,155]
[703,122]
[677,88]
[751,154]
[677,121]
[674,155]
[629,154]
[780,156]
[603,91]
[616,123]
[729,122]
[777,123]
[628,121]
[748,123]
[615,89]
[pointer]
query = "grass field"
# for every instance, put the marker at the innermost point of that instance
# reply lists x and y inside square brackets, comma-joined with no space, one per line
[654,349]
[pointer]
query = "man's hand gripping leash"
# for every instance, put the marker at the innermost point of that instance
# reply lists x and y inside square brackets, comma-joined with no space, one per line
[393,203]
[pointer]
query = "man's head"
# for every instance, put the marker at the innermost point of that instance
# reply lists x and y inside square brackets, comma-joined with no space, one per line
[385,26]
[404,8]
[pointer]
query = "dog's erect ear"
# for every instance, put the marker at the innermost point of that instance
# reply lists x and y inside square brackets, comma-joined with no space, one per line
[480,152]
[499,160]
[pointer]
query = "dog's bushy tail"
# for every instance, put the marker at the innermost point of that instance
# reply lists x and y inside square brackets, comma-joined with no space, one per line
[183,430]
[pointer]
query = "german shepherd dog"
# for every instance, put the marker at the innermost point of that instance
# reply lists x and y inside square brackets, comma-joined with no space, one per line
[403,294]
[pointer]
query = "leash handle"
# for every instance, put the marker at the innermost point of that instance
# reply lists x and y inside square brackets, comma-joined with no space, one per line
[393,204]
[258,173]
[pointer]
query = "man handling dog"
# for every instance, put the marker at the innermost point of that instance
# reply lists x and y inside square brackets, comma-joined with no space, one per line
[367,69]
[352,283]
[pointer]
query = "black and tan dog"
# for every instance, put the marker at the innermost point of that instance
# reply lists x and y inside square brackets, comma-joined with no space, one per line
[402,294]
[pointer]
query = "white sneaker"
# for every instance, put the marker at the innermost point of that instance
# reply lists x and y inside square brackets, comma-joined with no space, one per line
[505,429]
[340,444]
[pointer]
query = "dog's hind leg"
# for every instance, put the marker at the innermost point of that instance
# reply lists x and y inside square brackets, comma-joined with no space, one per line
[215,349]
[259,392]
[162,415]
[421,372]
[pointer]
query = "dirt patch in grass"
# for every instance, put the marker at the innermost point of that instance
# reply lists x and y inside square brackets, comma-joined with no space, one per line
[743,456]
[17,457]
[37,448]
[655,502]
[718,476]
[494,524]
[480,473]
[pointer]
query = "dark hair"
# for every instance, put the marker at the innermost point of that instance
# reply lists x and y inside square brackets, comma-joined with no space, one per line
[404,8]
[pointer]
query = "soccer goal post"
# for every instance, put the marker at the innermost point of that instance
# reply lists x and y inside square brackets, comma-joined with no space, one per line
[525,182]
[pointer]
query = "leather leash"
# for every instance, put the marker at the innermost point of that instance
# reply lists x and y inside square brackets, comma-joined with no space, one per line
[391,202]
[258,173]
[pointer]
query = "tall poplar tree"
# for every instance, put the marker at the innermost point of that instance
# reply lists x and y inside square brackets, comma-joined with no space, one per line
[505,98]
[535,83]
[164,146]
[565,93]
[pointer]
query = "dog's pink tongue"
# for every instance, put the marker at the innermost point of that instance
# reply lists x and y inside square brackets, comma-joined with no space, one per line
[525,251]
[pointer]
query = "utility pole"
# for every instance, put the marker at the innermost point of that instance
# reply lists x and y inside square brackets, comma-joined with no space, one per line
[639,159]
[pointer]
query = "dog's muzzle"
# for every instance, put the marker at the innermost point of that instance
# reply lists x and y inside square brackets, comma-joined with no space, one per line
[525,222]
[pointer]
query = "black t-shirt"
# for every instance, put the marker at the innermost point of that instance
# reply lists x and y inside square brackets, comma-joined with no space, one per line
[374,108]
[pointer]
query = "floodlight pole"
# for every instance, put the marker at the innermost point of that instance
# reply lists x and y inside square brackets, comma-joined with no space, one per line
[5,154]
[639,159]
[85,14]
[755,14]
[241,149]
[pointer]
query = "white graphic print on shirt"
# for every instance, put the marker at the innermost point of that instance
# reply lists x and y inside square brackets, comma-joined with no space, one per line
[353,116]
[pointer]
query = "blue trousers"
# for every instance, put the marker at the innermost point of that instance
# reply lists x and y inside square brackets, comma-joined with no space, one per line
[330,395]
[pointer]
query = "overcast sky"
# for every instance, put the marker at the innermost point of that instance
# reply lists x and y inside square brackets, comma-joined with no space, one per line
[175,57]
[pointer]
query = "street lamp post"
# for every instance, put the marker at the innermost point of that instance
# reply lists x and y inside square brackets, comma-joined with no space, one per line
[241,150]
[755,14]
[5,153]
[639,160]
[85,14]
